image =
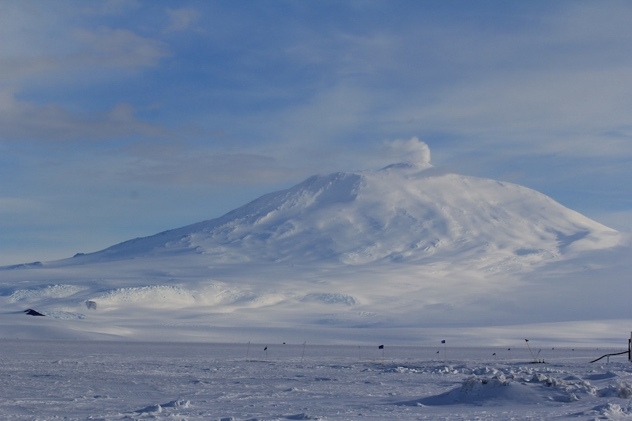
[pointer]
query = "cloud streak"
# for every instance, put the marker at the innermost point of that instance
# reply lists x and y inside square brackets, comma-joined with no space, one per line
[23,121]
[29,52]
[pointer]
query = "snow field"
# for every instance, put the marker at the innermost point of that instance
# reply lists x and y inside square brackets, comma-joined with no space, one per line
[79,380]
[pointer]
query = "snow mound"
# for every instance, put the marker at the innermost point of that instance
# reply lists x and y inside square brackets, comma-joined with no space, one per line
[152,410]
[302,416]
[480,390]
[610,410]
[620,389]
[177,404]
[602,376]
[517,389]
[565,390]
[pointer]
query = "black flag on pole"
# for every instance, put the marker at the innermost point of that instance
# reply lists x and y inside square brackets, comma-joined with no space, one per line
[381,347]
[443,341]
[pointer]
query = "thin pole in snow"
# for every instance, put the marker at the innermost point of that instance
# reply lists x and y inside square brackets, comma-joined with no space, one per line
[531,352]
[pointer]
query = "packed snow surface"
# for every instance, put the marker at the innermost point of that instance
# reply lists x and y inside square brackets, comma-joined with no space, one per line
[79,380]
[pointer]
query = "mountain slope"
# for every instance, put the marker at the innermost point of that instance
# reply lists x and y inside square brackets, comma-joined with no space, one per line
[400,213]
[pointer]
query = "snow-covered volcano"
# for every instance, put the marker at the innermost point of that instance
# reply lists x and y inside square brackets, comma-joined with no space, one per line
[340,257]
[402,213]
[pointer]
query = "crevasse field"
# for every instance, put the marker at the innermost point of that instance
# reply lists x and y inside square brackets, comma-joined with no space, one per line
[90,380]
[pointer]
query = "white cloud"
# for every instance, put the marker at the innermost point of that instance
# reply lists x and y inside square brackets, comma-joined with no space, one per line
[44,49]
[44,44]
[572,113]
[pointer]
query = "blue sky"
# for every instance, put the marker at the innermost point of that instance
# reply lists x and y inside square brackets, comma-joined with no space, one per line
[123,118]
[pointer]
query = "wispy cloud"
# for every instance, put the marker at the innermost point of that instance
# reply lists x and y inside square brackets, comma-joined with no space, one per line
[181,19]
[22,121]
[118,48]
[181,166]
[50,45]
[109,7]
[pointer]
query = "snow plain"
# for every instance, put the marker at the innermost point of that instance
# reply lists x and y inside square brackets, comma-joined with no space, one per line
[92,380]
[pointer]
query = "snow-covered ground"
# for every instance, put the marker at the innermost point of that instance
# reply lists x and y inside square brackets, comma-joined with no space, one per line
[81,380]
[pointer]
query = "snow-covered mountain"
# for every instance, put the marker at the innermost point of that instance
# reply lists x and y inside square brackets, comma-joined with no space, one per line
[405,247]
[401,213]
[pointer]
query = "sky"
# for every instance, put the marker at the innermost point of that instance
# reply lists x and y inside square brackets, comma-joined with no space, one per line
[124,118]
